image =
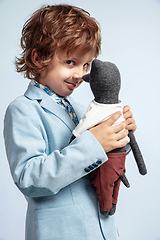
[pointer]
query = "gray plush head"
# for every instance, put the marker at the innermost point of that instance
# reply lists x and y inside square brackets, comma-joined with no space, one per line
[105,82]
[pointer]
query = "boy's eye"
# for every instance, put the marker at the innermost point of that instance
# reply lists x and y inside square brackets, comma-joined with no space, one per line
[70,62]
[87,66]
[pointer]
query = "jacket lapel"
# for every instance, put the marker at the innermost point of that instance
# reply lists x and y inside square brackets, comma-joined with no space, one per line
[80,110]
[49,104]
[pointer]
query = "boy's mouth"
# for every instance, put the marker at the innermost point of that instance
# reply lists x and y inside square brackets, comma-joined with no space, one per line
[71,84]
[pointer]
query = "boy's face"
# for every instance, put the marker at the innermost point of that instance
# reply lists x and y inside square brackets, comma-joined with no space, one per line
[64,74]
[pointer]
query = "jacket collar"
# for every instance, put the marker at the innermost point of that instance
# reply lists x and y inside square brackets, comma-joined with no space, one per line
[49,104]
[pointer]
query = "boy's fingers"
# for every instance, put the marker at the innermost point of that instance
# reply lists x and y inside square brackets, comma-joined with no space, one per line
[132,127]
[128,115]
[121,143]
[113,118]
[121,135]
[126,108]
[118,128]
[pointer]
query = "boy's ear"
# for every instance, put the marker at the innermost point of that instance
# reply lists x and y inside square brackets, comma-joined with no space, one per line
[35,58]
[86,77]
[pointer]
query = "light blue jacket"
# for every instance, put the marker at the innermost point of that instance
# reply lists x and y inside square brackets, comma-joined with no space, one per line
[53,174]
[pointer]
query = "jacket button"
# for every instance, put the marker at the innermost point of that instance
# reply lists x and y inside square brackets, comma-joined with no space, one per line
[87,170]
[91,167]
[99,162]
[95,165]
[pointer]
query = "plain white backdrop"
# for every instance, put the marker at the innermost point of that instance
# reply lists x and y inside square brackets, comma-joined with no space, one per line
[130,39]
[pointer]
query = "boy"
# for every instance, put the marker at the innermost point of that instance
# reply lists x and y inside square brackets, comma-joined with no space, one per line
[59,43]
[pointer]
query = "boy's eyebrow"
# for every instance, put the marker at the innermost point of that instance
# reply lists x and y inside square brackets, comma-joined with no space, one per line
[76,59]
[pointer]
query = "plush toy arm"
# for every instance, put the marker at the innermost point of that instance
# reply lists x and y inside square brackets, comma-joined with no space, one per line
[137,154]
[124,180]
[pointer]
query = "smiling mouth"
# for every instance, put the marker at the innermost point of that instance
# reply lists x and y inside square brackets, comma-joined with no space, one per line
[71,85]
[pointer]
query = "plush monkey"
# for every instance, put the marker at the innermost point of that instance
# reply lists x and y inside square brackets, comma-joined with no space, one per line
[105,82]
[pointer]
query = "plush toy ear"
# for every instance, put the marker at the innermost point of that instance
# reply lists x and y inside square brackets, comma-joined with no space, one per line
[86,77]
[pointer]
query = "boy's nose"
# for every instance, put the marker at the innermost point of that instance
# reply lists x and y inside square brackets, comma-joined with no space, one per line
[79,73]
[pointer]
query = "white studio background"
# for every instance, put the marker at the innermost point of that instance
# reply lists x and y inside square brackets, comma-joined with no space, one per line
[130,39]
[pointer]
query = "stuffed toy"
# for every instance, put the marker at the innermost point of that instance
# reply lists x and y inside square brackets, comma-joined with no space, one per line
[105,82]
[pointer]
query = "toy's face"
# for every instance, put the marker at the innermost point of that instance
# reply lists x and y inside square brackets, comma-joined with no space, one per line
[105,81]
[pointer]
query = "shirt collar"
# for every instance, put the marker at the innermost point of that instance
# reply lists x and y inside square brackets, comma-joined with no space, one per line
[47,90]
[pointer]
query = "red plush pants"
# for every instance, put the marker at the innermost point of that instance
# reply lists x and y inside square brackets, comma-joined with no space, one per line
[106,179]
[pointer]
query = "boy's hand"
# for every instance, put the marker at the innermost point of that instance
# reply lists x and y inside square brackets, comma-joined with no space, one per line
[108,135]
[127,114]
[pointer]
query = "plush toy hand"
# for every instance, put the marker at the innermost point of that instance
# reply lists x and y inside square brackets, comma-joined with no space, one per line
[124,180]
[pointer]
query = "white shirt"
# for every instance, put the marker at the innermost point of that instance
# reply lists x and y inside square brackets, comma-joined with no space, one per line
[97,113]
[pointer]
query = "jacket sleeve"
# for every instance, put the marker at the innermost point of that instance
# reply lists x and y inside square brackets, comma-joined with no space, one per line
[34,172]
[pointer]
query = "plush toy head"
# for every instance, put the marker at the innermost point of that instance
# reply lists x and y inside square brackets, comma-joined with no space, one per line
[105,82]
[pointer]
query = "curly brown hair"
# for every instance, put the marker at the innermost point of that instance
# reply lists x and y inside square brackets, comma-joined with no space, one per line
[54,28]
